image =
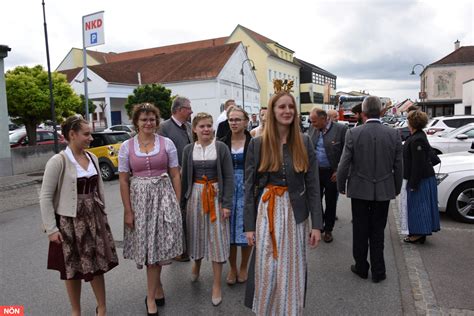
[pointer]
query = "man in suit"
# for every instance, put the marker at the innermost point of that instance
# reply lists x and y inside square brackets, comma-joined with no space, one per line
[371,166]
[222,123]
[328,140]
[177,127]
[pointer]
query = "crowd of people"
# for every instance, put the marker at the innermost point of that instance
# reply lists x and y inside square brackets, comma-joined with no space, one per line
[205,189]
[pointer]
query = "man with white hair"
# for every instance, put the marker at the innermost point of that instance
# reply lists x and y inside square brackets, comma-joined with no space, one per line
[373,155]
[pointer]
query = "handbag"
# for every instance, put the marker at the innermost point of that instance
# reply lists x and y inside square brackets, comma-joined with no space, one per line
[434,159]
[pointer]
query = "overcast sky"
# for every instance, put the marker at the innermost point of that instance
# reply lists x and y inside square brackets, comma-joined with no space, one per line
[369,45]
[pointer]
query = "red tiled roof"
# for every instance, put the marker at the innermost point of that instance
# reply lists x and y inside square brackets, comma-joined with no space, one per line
[70,73]
[462,55]
[166,49]
[197,64]
[100,56]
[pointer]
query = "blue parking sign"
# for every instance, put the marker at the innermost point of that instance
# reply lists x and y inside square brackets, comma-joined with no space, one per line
[94,38]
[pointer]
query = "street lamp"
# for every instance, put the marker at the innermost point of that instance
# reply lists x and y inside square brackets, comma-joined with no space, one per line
[413,69]
[242,73]
[422,94]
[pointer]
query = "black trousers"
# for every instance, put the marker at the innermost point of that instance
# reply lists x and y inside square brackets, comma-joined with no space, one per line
[329,191]
[369,219]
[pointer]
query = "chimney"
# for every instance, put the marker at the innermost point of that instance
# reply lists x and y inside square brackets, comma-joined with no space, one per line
[139,75]
[456,45]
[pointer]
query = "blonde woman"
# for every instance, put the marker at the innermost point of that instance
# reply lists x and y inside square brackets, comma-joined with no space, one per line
[237,140]
[281,192]
[208,189]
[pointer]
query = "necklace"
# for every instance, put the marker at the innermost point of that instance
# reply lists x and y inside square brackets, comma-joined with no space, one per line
[145,144]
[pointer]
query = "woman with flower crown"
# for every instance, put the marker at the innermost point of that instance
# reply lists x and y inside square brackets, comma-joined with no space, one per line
[281,192]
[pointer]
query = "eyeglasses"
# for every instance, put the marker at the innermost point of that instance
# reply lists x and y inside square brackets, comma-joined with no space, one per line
[151,120]
[235,120]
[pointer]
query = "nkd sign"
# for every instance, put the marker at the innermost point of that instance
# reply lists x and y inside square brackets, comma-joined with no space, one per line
[93,29]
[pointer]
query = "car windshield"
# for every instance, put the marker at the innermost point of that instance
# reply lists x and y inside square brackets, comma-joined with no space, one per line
[453,133]
[16,136]
[118,138]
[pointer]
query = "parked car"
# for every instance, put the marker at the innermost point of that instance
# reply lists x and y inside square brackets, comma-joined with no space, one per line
[43,137]
[455,176]
[404,132]
[443,124]
[455,141]
[106,146]
[121,128]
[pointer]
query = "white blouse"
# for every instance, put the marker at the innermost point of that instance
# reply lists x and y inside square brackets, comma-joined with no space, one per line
[205,153]
[124,165]
[81,172]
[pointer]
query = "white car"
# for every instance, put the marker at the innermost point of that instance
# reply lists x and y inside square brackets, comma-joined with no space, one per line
[455,176]
[121,128]
[457,140]
[444,124]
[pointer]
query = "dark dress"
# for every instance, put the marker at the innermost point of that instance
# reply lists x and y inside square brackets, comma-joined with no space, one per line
[422,194]
[88,247]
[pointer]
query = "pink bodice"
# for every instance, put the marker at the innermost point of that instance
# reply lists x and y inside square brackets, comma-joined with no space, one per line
[148,166]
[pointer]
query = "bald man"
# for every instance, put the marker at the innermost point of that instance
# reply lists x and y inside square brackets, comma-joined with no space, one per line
[333,115]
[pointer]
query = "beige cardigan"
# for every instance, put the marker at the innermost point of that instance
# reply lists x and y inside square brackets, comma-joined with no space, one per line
[59,190]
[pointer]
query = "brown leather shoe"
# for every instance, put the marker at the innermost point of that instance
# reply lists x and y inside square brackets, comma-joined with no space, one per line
[182,258]
[327,237]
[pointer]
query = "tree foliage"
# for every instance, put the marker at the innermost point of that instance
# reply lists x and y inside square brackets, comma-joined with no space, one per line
[154,93]
[81,109]
[28,97]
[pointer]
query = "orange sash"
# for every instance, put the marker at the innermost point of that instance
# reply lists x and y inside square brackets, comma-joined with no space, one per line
[269,196]
[208,197]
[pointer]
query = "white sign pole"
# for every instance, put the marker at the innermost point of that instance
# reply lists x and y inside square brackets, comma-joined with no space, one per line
[92,35]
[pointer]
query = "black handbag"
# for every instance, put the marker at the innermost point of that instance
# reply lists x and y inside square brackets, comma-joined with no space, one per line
[434,159]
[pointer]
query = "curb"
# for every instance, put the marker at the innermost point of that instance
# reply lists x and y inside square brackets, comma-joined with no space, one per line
[20,185]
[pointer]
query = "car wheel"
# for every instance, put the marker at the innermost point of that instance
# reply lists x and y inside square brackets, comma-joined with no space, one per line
[461,203]
[106,171]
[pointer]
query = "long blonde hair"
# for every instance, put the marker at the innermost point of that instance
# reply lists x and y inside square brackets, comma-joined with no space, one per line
[271,155]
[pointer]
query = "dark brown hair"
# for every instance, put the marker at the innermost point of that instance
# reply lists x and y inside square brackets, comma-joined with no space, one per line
[144,108]
[72,123]
[417,120]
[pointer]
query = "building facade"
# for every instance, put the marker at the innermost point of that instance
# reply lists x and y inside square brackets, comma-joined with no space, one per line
[442,82]
[207,76]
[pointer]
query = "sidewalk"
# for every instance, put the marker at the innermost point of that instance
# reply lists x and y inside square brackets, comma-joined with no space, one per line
[20,181]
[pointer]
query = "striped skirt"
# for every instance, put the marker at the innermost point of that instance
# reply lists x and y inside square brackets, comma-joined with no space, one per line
[280,283]
[205,238]
[422,208]
[157,234]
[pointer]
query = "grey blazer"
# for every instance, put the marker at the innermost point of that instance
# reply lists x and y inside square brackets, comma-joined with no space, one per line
[303,187]
[333,141]
[179,137]
[371,163]
[225,175]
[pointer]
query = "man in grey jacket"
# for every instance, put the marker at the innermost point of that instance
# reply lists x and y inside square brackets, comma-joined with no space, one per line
[371,165]
[177,127]
[328,141]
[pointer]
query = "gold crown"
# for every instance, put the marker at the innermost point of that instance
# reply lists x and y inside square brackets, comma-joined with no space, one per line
[282,85]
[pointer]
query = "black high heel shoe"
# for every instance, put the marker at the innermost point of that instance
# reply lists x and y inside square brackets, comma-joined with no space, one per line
[149,314]
[420,240]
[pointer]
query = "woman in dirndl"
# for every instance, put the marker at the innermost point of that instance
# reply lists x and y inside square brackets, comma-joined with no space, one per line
[150,188]
[421,187]
[237,140]
[208,189]
[281,191]
[72,209]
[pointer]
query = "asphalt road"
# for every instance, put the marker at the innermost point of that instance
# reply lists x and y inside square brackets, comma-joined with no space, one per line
[435,278]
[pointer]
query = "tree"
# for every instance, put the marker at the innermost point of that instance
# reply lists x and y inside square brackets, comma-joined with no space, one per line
[81,108]
[103,106]
[28,97]
[154,93]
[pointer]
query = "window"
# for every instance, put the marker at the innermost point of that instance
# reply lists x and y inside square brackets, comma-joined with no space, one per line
[455,123]
[270,74]
[279,75]
[46,136]
[470,133]
[274,74]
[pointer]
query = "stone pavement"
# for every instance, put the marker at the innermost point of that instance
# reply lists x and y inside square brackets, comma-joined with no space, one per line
[20,181]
